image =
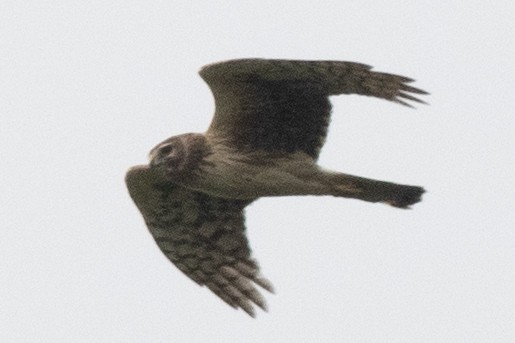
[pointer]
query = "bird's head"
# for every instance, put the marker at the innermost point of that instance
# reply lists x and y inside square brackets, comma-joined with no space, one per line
[178,156]
[165,153]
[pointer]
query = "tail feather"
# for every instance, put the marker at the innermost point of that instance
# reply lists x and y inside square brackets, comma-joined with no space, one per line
[396,195]
[405,196]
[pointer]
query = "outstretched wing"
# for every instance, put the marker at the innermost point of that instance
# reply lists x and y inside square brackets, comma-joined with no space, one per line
[282,105]
[202,235]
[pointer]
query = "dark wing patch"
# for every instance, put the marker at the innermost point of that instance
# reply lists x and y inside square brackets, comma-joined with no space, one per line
[282,105]
[202,235]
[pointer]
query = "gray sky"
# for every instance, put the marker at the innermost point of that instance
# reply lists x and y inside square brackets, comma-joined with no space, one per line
[88,87]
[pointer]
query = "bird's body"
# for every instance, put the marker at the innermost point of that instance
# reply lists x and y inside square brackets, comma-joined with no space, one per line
[270,123]
[228,174]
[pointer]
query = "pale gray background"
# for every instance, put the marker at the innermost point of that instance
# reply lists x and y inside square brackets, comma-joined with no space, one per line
[88,87]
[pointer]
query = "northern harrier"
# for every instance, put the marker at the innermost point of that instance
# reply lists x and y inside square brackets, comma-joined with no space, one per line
[270,123]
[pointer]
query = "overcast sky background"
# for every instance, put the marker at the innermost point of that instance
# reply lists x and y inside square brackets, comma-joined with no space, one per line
[88,87]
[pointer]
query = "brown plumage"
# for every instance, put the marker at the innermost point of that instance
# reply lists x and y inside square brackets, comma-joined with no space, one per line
[270,123]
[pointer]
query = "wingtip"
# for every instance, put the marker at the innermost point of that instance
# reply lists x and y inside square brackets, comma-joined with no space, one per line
[265,284]
[249,310]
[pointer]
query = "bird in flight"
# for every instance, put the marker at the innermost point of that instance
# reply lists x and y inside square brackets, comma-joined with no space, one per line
[264,140]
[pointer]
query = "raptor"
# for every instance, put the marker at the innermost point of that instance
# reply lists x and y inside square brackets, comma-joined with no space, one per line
[269,126]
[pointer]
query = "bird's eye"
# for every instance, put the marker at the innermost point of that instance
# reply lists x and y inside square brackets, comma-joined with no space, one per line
[166,149]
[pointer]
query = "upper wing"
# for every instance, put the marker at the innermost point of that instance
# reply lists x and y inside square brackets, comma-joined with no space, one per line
[202,235]
[282,105]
